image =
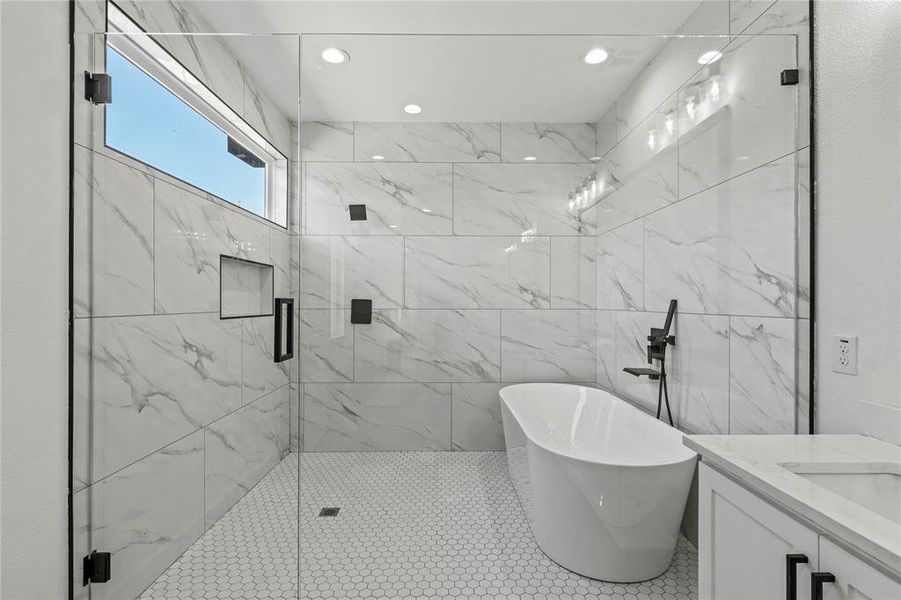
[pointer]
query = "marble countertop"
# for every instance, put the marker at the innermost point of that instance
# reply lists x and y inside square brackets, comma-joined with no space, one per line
[756,461]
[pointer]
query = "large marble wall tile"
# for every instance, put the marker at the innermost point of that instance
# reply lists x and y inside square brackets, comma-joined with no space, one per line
[280,259]
[606,349]
[740,115]
[81,404]
[120,264]
[147,515]
[802,398]
[263,115]
[190,233]
[573,272]
[428,142]
[700,372]
[729,250]
[803,246]
[792,17]
[336,269]
[326,345]
[476,422]
[259,373]
[620,268]
[296,415]
[606,129]
[82,167]
[548,345]
[400,199]
[429,345]
[241,448]
[156,379]
[81,541]
[744,12]
[331,141]
[477,272]
[527,199]
[762,375]
[372,416]
[549,142]
[218,69]
[710,18]
[641,178]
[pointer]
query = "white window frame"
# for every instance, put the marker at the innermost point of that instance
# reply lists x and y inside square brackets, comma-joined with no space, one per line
[128,39]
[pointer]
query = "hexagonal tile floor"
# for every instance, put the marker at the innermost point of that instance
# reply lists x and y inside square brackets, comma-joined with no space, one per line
[410,525]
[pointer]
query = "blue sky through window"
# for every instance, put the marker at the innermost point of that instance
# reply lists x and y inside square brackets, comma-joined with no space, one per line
[148,122]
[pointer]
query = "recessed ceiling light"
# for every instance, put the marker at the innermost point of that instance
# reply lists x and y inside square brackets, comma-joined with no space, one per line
[378,157]
[529,158]
[412,109]
[595,56]
[710,57]
[335,56]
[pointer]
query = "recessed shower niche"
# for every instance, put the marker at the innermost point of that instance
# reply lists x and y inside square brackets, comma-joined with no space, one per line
[246,288]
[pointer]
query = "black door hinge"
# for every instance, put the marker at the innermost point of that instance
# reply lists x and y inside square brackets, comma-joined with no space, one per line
[96,567]
[98,88]
[789,77]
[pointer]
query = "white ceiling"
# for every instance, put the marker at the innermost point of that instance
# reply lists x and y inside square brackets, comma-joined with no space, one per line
[454,76]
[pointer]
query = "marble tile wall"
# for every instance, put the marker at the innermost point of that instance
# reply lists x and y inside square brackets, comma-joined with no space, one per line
[178,412]
[479,273]
[708,203]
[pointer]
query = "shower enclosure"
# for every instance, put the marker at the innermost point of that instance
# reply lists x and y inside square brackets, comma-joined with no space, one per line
[530,224]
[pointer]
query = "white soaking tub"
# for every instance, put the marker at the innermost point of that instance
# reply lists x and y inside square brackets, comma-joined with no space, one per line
[602,483]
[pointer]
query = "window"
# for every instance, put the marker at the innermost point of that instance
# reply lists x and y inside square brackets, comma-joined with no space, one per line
[165,117]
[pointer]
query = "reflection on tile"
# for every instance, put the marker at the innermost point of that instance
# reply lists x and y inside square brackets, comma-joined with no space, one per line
[147,515]
[336,269]
[548,346]
[606,349]
[115,274]
[322,141]
[428,142]
[740,115]
[762,376]
[573,272]
[620,268]
[260,374]
[241,448]
[728,250]
[549,142]
[476,417]
[407,416]
[158,378]
[527,199]
[429,345]
[401,199]
[479,272]
[326,345]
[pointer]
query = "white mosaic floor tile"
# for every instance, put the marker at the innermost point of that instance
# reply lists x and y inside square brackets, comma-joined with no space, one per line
[411,525]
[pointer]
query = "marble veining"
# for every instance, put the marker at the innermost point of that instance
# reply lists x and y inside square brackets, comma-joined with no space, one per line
[526,199]
[548,346]
[377,416]
[429,345]
[573,272]
[326,346]
[549,142]
[620,268]
[476,423]
[401,199]
[331,141]
[259,373]
[477,272]
[428,142]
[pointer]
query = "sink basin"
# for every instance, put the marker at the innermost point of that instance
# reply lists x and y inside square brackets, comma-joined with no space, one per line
[874,486]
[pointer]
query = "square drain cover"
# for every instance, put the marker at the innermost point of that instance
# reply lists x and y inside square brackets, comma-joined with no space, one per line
[331,511]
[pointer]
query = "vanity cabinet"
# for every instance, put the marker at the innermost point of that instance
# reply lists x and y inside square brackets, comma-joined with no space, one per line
[748,549]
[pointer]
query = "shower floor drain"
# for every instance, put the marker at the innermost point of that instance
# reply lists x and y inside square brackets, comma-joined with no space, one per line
[330,511]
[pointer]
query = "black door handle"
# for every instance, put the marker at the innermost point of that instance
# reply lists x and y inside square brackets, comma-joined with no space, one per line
[816,584]
[791,574]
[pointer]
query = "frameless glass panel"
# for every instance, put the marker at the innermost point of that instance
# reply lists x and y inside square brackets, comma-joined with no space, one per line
[150,123]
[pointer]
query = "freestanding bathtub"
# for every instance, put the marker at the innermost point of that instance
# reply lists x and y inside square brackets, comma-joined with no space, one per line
[602,483]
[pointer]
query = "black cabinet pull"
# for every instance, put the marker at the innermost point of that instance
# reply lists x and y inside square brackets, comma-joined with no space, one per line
[791,574]
[816,584]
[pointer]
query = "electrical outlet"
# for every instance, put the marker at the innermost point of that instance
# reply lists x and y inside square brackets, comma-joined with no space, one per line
[844,354]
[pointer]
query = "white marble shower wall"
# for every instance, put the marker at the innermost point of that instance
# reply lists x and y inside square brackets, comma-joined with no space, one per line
[178,413]
[708,204]
[479,275]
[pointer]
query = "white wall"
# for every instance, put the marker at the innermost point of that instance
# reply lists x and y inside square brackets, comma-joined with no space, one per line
[858,91]
[34,144]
